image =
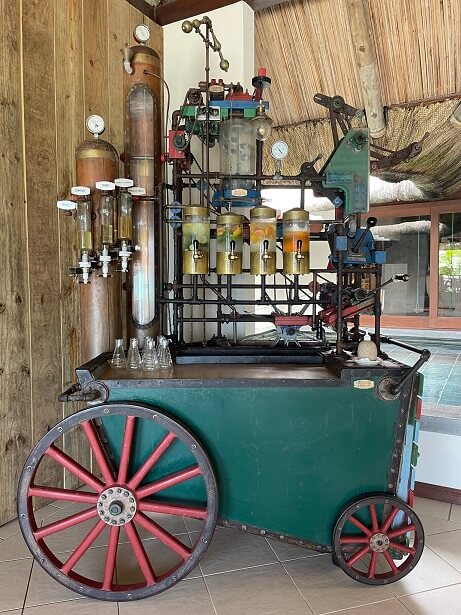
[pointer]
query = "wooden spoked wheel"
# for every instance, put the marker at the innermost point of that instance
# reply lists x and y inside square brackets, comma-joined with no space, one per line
[378,540]
[123,513]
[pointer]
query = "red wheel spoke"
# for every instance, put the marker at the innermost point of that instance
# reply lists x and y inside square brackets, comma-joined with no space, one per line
[126,449]
[358,555]
[390,519]
[372,568]
[140,553]
[168,539]
[83,547]
[169,481]
[401,531]
[170,509]
[374,518]
[390,561]
[111,557]
[74,467]
[63,494]
[353,540]
[152,460]
[98,451]
[64,524]
[360,525]
[402,548]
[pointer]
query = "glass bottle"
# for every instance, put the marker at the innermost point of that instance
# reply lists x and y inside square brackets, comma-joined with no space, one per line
[150,358]
[124,209]
[83,208]
[118,358]
[296,241]
[107,212]
[133,360]
[229,244]
[263,240]
[164,356]
[196,240]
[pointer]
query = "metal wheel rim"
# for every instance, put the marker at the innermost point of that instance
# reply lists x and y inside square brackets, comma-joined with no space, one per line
[415,527]
[45,556]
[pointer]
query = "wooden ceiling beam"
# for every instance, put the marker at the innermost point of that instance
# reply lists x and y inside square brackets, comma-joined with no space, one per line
[259,5]
[144,7]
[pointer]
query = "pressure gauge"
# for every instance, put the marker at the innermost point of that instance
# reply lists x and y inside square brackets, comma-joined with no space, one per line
[141,34]
[279,150]
[95,124]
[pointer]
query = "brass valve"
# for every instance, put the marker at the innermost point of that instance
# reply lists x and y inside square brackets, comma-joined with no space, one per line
[197,254]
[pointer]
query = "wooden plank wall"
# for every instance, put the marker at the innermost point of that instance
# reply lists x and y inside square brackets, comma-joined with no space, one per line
[60,61]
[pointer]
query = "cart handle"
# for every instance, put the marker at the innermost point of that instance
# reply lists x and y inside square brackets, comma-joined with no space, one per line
[74,393]
[425,355]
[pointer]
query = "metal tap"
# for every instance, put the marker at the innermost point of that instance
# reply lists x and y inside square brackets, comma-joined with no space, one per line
[197,254]
[232,256]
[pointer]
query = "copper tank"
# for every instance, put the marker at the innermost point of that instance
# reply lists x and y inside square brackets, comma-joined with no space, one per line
[100,322]
[143,141]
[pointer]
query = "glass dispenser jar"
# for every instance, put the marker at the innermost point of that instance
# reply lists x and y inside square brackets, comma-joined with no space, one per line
[237,147]
[229,244]
[83,208]
[195,240]
[124,209]
[296,241]
[107,213]
[263,240]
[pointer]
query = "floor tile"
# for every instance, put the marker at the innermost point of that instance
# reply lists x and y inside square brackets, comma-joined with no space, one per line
[232,550]
[448,546]
[14,577]
[11,528]
[185,598]
[265,590]
[431,572]
[388,607]
[13,548]
[327,588]
[432,525]
[455,514]
[444,601]
[43,589]
[79,607]
[286,552]
[432,508]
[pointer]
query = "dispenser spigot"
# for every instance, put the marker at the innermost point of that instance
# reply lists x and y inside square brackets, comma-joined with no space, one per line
[124,255]
[105,260]
[299,245]
[232,256]
[85,266]
[265,255]
[197,254]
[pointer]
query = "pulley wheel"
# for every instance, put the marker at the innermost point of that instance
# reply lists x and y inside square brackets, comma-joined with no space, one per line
[122,531]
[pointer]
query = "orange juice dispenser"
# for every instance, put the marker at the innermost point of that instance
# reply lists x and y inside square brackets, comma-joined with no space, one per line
[296,241]
[263,240]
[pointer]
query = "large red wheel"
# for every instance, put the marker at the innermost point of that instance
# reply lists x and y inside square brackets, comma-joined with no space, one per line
[119,504]
[378,540]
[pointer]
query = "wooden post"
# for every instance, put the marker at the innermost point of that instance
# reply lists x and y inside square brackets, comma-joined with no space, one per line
[368,67]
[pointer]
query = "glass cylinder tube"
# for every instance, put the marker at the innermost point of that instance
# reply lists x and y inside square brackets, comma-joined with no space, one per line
[107,212]
[83,217]
[196,240]
[229,244]
[124,209]
[296,241]
[263,240]
[237,148]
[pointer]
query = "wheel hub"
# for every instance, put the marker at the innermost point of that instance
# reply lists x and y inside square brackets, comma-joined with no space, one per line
[116,506]
[379,542]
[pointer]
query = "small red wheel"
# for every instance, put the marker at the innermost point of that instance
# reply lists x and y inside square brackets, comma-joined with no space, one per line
[119,500]
[378,539]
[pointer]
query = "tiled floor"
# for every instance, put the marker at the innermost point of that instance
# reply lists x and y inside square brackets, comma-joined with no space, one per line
[442,376]
[248,575]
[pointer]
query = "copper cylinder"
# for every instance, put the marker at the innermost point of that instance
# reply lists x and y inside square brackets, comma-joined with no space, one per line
[143,142]
[100,322]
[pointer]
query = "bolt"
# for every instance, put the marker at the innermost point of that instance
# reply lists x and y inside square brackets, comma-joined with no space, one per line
[193,447]
[106,410]
[132,508]
[129,596]
[205,541]
[119,490]
[104,497]
[111,491]
[244,527]
[59,429]
[121,521]
[100,504]
[131,500]
[29,468]
[282,537]
[23,516]
[42,560]
[106,519]
[262,532]
[126,494]
[114,522]
[128,516]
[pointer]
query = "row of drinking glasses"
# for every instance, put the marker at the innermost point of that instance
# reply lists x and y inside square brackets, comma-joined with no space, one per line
[153,357]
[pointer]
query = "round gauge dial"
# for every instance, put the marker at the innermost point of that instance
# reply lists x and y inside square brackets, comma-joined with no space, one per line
[95,124]
[141,34]
[279,150]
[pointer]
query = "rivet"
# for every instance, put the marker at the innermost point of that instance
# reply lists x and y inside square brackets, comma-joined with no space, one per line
[42,560]
[205,541]
[29,468]
[59,429]
[106,410]
[282,537]
[129,596]
[173,578]
[23,516]
[244,527]
[193,447]
[262,532]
